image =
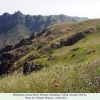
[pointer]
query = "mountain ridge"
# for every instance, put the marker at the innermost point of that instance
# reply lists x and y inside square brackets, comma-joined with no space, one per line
[31,23]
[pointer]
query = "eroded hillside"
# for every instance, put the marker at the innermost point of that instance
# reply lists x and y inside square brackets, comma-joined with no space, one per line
[57,42]
[66,54]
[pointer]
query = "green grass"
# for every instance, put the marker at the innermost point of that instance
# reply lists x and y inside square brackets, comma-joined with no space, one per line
[85,78]
[74,68]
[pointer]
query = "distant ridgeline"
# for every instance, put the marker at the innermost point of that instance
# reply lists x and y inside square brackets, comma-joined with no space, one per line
[17,26]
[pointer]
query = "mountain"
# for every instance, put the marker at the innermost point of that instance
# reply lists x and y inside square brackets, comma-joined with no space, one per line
[17,26]
[61,58]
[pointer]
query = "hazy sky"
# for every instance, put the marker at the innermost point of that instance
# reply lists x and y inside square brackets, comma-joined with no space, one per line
[81,8]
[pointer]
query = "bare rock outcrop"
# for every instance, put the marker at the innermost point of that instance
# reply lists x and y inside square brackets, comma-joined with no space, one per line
[72,39]
[6,61]
[28,67]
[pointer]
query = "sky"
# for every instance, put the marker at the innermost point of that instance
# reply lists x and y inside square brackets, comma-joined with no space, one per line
[80,8]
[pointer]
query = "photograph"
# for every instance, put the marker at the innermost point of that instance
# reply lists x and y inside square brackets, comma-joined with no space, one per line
[50,49]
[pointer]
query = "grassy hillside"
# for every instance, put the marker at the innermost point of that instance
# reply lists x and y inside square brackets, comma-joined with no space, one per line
[66,67]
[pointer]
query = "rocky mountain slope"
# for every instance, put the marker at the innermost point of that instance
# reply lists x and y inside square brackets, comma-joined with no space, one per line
[17,26]
[45,42]
[61,58]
